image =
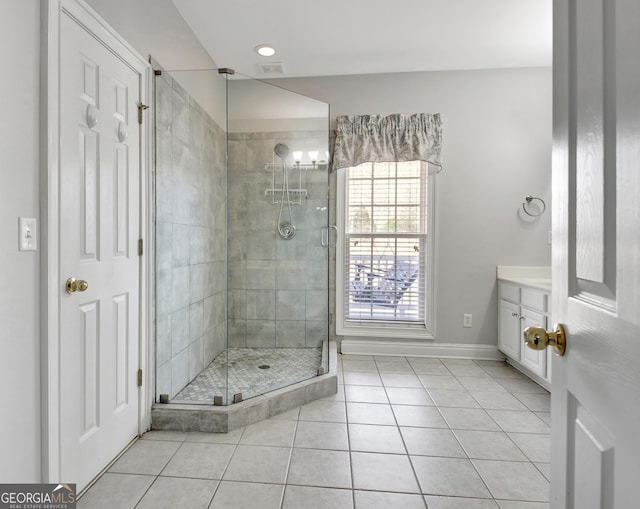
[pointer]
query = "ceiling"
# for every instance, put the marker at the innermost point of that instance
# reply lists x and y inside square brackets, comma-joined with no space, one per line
[336,37]
[340,37]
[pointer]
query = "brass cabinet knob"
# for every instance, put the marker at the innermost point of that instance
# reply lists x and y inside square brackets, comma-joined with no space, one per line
[537,338]
[74,285]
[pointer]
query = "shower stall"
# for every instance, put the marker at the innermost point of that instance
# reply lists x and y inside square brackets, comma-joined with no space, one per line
[241,249]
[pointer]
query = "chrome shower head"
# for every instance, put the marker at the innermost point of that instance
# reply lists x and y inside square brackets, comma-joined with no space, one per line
[281,150]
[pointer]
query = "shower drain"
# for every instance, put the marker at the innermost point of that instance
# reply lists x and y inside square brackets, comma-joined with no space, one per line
[264,366]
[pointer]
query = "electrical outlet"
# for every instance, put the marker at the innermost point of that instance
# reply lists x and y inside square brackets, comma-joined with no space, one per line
[27,234]
[466,320]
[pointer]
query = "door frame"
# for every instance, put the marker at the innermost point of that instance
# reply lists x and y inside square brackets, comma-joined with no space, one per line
[50,277]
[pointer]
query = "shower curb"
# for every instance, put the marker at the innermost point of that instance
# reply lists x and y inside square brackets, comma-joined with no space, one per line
[222,419]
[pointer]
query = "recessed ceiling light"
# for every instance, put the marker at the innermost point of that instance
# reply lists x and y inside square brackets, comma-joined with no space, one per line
[265,50]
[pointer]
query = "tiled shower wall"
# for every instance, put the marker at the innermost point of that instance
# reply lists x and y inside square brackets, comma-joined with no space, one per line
[190,237]
[277,288]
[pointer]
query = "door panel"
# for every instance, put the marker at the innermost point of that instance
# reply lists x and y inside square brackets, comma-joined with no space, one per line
[100,225]
[596,254]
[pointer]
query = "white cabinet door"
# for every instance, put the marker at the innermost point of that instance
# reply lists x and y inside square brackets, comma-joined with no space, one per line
[509,329]
[534,360]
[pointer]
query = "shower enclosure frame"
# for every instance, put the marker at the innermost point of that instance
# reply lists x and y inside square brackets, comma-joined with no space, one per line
[237,412]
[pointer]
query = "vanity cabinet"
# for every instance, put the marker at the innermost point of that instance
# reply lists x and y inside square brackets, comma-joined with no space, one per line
[520,307]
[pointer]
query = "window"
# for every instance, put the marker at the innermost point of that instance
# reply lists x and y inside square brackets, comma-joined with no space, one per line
[384,255]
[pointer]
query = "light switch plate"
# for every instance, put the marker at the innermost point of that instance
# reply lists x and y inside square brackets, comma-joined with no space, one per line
[28,240]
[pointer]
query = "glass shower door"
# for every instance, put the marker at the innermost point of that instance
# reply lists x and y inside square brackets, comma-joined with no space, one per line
[277,204]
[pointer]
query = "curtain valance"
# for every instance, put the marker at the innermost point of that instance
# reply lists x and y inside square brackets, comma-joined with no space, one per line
[387,138]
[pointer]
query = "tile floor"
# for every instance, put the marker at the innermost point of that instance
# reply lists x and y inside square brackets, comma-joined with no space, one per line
[246,373]
[400,433]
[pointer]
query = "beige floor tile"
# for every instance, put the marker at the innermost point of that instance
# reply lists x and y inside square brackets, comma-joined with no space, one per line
[363,394]
[270,432]
[322,435]
[259,464]
[420,416]
[397,366]
[325,411]
[369,438]
[232,437]
[513,480]
[247,495]
[537,447]
[171,436]
[357,378]
[440,382]
[296,497]
[383,472]
[203,461]
[497,400]
[359,365]
[408,396]
[510,504]
[460,503]
[311,467]
[478,383]
[453,398]
[123,491]
[386,500]
[432,442]
[519,422]
[535,402]
[449,476]
[469,418]
[520,386]
[494,445]
[370,413]
[145,457]
[174,492]
[400,380]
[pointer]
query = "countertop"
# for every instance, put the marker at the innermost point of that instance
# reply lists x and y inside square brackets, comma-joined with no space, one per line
[533,277]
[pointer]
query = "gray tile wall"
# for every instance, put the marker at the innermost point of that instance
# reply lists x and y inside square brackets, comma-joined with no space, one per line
[190,238]
[278,289]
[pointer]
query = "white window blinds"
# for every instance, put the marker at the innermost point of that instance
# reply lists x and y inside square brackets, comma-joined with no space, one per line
[385,242]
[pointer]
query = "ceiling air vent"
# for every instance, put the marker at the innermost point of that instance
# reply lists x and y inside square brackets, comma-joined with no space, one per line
[271,68]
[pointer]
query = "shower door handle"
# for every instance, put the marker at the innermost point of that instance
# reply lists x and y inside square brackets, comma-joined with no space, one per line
[324,237]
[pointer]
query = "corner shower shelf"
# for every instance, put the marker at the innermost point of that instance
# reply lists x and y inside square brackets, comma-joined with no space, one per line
[277,195]
[291,196]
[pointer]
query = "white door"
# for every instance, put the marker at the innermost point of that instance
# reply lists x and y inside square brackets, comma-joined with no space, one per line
[596,254]
[100,226]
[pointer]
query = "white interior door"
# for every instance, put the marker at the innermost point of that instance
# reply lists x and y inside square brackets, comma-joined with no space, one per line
[596,254]
[100,225]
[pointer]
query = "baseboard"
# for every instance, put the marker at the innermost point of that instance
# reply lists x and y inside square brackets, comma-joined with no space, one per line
[355,346]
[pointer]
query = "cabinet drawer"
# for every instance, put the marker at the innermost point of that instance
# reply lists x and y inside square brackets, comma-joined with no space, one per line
[534,299]
[510,293]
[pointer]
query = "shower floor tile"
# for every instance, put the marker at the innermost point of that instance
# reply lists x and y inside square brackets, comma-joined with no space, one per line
[247,373]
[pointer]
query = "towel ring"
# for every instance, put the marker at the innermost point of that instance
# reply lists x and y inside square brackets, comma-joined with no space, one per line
[529,199]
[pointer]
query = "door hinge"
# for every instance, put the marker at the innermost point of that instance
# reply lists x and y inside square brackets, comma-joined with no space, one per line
[139,378]
[141,108]
[140,247]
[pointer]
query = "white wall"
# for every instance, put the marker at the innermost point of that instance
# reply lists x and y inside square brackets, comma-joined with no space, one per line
[19,283]
[496,150]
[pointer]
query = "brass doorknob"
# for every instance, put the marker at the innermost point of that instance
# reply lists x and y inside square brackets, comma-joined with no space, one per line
[74,285]
[538,338]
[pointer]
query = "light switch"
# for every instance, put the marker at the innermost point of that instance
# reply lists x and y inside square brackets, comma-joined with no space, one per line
[27,231]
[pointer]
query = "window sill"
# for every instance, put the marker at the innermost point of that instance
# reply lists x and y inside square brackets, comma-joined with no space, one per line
[386,330]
